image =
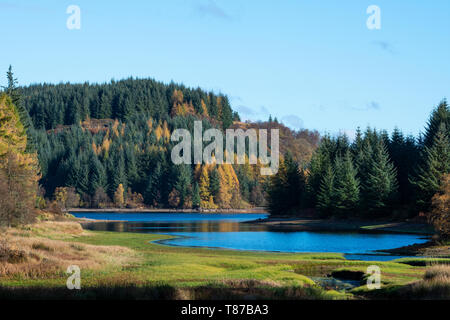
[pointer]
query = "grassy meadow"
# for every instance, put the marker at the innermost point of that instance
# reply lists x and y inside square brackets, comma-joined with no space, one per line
[34,259]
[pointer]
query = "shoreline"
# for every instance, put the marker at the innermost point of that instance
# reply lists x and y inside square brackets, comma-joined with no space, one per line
[328,225]
[147,210]
[367,226]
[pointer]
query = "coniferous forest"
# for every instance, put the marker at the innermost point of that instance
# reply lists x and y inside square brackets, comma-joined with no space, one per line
[376,175]
[108,145]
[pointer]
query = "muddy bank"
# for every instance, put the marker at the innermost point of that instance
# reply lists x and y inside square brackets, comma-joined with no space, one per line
[428,249]
[309,224]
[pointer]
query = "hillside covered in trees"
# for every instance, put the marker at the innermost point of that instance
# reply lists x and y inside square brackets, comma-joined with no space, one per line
[376,175]
[103,145]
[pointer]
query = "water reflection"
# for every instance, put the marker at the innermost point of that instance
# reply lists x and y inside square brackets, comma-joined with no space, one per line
[169,227]
[227,231]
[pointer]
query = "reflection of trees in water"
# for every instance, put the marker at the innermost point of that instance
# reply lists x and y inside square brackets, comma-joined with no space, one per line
[161,227]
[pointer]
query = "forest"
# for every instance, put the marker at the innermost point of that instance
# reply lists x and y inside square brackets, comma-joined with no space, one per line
[375,175]
[109,145]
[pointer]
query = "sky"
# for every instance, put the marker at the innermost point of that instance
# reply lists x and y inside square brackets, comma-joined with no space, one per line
[312,64]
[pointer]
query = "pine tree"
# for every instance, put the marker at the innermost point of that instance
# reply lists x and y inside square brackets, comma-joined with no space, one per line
[381,185]
[326,196]
[320,162]
[183,183]
[436,165]
[439,116]
[152,194]
[215,184]
[346,185]
[287,187]
[97,175]
[196,200]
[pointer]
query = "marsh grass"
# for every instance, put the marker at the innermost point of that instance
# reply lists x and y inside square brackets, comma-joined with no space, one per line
[132,266]
[33,252]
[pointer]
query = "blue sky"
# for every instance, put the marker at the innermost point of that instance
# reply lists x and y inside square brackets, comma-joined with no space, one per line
[312,64]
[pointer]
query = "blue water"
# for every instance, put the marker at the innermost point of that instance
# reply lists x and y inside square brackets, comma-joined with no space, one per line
[226,231]
[170,217]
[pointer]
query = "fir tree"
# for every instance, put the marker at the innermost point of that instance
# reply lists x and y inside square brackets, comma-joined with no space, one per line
[436,165]
[196,200]
[346,188]
[439,116]
[326,196]
[381,184]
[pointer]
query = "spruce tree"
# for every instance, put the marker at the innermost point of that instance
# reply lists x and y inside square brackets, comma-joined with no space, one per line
[381,185]
[320,162]
[196,200]
[439,116]
[326,196]
[214,184]
[346,185]
[436,165]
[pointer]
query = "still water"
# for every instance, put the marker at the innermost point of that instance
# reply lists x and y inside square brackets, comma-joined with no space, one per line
[227,231]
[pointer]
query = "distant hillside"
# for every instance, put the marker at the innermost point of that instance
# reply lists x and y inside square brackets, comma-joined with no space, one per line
[301,144]
[103,145]
[66,104]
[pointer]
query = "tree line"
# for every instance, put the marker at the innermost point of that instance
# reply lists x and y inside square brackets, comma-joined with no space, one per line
[109,145]
[50,106]
[373,176]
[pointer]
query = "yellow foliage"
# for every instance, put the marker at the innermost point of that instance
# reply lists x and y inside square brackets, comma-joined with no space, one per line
[115,128]
[12,133]
[18,169]
[119,196]
[166,132]
[150,125]
[440,214]
[204,109]
[206,199]
[158,132]
[229,187]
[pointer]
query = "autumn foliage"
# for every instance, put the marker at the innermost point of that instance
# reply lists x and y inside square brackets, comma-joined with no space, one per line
[18,169]
[440,213]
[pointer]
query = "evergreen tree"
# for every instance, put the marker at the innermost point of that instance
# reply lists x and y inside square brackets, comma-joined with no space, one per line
[381,185]
[436,165]
[346,189]
[183,183]
[152,194]
[326,196]
[196,200]
[439,116]
[97,175]
[287,188]
[320,162]
[214,184]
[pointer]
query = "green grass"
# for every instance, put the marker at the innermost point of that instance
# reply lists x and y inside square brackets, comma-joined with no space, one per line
[201,272]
